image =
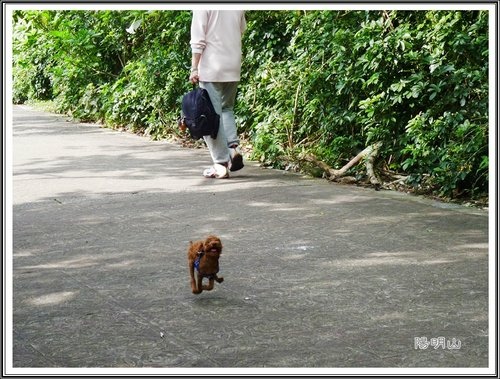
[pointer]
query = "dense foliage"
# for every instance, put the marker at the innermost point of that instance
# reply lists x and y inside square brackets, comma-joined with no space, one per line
[328,83]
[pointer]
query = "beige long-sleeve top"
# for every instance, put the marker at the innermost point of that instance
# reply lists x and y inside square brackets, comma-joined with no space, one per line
[216,35]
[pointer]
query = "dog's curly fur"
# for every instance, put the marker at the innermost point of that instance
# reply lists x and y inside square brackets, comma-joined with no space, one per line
[208,251]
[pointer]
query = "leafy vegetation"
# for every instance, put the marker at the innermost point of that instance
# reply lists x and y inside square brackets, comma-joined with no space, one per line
[327,83]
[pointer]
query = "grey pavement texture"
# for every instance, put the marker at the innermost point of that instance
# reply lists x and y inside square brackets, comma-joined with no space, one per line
[317,275]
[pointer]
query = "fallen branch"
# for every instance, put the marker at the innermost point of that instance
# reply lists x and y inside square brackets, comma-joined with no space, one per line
[370,158]
[369,153]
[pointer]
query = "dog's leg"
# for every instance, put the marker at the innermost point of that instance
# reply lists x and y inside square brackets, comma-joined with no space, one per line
[210,285]
[219,279]
[194,287]
[199,288]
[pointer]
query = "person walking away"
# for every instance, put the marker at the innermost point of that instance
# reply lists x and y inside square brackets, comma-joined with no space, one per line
[216,66]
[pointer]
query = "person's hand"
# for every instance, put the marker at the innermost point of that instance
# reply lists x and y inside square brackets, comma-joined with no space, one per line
[194,78]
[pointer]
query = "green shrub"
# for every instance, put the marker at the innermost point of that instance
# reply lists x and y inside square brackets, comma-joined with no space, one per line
[323,82]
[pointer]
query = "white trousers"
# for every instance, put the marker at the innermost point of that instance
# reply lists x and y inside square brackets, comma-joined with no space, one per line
[223,96]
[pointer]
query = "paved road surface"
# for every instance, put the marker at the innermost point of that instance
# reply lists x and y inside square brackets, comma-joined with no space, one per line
[317,275]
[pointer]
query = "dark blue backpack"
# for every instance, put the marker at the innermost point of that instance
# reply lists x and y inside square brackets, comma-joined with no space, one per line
[199,115]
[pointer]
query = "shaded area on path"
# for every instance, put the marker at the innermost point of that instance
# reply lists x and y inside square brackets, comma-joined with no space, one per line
[316,274]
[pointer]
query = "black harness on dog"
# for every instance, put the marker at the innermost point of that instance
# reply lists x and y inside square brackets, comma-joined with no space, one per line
[197,266]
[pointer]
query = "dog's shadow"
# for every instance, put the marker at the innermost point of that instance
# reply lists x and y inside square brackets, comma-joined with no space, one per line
[219,302]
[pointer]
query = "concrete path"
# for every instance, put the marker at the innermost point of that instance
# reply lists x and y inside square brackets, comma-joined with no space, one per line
[317,275]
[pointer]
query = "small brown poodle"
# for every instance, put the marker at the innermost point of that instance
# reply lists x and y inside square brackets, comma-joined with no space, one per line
[204,257]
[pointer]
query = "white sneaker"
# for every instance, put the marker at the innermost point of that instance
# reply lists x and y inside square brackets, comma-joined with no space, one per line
[217,171]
